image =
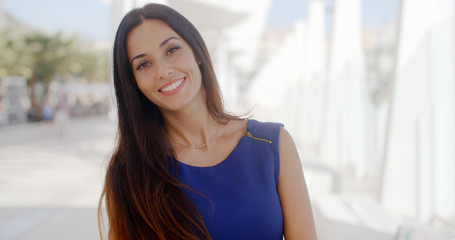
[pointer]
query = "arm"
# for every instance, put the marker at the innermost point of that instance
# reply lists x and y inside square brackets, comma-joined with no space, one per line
[293,193]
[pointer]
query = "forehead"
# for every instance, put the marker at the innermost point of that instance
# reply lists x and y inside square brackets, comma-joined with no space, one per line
[150,33]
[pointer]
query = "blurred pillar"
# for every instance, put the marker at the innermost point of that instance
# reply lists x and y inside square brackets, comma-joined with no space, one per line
[314,77]
[294,92]
[273,92]
[225,73]
[343,143]
[418,178]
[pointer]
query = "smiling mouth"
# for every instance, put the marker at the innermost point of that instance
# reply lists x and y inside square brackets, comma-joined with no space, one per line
[173,86]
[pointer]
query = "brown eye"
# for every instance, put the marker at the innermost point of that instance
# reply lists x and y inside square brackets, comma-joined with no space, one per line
[172,50]
[143,65]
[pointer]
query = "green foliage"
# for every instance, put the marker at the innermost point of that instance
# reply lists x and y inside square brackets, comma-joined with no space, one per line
[40,56]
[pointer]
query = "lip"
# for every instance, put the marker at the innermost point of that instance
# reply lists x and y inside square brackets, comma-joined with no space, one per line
[175,90]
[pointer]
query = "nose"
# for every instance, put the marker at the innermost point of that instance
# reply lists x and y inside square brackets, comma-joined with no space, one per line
[164,70]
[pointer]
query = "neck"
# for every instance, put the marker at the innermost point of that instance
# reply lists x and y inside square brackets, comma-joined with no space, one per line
[190,127]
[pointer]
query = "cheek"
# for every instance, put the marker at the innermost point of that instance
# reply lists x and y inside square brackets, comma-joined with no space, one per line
[146,88]
[144,81]
[140,84]
[194,68]
[198,73]
[142,88]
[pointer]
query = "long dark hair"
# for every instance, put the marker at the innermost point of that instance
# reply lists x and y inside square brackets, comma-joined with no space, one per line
[144,200]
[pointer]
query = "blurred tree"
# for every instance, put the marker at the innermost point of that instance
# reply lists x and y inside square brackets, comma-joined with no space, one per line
[93,65]
[12,57]
[41,57]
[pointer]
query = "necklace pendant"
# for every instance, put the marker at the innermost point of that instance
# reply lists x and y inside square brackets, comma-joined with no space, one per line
[197,147]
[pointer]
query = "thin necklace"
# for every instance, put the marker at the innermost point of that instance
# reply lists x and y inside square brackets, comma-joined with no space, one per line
[196,146]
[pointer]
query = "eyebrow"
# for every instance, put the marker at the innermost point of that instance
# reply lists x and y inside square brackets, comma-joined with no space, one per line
[167,40]
[161,45]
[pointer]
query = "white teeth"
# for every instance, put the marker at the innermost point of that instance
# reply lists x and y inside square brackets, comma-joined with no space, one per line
[172,86]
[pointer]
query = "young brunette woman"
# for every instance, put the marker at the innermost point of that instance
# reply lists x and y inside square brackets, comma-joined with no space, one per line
[183,168]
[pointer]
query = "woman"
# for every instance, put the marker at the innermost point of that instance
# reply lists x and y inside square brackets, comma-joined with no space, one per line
[183,168]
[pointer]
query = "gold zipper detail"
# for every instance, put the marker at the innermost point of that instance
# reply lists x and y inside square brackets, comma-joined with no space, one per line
[248,134]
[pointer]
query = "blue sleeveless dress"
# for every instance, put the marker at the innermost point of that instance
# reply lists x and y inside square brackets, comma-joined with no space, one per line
[239,195]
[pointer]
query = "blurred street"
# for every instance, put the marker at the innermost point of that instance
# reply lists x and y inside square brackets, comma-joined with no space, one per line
[50,181]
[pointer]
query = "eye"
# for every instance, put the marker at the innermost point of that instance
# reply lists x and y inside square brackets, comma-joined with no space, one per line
[143,65]
[172,50]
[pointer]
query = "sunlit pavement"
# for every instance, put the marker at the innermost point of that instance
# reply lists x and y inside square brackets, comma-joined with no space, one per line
[344,207]
[50,181]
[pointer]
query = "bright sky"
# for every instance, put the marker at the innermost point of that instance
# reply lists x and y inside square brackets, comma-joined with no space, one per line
[91,18]
[375,12]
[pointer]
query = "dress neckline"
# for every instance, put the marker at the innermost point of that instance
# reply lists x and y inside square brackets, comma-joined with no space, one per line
[228,156]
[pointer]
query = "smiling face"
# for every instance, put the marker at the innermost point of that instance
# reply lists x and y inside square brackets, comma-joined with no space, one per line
[164,66]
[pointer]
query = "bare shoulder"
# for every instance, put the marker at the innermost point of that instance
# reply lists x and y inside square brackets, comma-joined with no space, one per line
[293,193]
[289,156]
[286,141]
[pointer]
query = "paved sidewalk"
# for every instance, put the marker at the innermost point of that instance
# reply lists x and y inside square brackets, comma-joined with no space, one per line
[50,183]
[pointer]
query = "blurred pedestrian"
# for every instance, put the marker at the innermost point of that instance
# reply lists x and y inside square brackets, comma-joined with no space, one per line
[184,168]
[48,115]
[62,117]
